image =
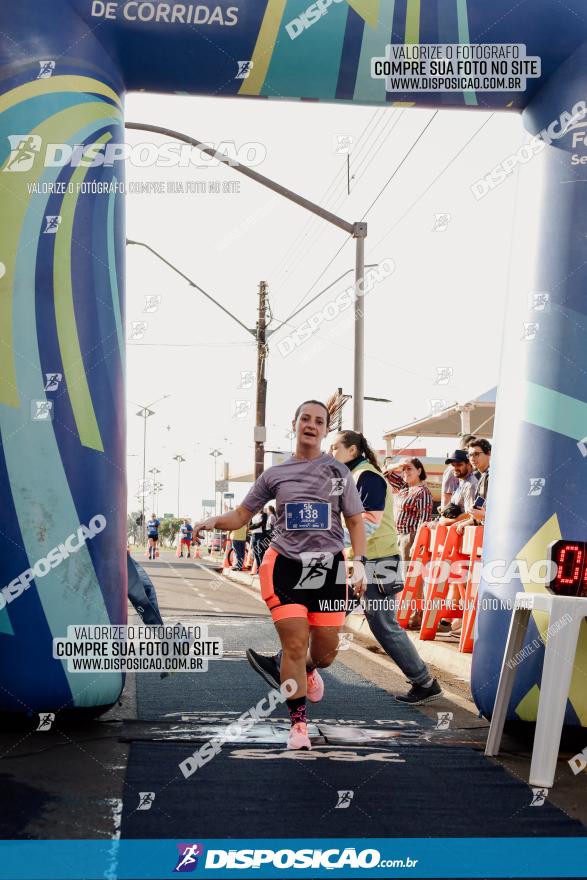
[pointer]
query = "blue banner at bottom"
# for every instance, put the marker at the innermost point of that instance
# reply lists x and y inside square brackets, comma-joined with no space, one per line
[259,858]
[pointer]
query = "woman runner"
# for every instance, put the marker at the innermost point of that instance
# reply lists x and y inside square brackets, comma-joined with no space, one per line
[303,579]
[152,536]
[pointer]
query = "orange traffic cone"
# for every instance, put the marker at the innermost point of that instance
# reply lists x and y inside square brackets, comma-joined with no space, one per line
[197,554]
[226,560]
[248,559]
[255,567]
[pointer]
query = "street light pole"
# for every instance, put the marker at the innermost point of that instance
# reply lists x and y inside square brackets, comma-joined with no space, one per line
[357,230]
[215,454]
[144,413]
[179,459]
[154,471]
[260,429]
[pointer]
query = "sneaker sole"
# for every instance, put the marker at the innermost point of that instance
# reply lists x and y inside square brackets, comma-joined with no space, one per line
[260,671]
[429,699]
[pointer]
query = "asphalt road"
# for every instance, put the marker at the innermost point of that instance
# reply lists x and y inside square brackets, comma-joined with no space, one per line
[83,781]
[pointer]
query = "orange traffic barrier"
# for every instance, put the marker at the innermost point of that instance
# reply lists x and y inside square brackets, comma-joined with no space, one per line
[413,583]
[446,554]
[249,559]
[226,561]
[473,545]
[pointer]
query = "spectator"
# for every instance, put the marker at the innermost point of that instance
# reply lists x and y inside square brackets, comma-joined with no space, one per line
[271,518]
[479,454]
[259,536]
[449,480]
[480,458]
[413,502]
[413,507]
[238,538]
[462,498]
[382,565]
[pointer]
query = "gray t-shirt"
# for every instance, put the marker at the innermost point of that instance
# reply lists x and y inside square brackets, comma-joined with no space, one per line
[464,494]
[316,493]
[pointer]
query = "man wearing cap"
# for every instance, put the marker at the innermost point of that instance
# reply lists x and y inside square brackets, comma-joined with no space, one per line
[461,499]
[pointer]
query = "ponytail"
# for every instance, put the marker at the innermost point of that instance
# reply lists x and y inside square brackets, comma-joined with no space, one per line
[354,438]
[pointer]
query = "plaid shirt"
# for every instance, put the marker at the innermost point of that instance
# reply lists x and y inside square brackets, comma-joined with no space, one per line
[413,504]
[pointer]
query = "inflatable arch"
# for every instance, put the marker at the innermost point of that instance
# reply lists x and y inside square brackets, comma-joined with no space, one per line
[65,67]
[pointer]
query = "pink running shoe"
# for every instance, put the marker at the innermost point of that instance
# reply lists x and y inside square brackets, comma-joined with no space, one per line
[298,737]
[315,690]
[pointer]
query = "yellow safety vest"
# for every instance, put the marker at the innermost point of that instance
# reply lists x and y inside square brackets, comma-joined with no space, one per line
[239,534]
[383,541]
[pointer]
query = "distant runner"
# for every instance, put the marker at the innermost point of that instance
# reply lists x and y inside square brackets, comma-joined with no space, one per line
[152,536]
[303,578]
[185,538]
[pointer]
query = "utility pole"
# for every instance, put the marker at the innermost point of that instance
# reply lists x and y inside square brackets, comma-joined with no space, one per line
[260,429]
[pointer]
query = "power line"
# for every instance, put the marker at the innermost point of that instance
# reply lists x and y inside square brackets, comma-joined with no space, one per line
[381,191]
[384,187]
[390,122]
[434,180]
[305,231]
[393,119]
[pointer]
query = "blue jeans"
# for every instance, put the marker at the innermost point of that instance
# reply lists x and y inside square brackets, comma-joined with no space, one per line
[239,553]
[380,606]
[259,543]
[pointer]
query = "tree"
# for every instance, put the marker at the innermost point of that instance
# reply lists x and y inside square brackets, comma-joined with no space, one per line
[133,531]
[168,530]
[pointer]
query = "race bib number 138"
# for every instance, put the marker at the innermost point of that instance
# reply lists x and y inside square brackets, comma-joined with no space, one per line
[307,515]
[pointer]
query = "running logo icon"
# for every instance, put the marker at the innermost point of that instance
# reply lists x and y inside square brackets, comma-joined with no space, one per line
[46,719]
[537,484]
[53,381]
[42,410]
[146,800]
[529,331]
[539,795]
[443,375]
[539,301]
[441,222]
[247,380]
[241,409]
[344,799]
[315,568]
[189,854]
[342,143]
[24,149]
[52,222]
[444,719]
[244,69]
[152,303]
[47,68]
[138,329]
[337,485]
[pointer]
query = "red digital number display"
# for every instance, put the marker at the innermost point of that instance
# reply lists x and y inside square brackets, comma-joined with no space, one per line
[570,576]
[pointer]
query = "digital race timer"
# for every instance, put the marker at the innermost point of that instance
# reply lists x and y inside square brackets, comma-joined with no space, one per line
[570,558]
